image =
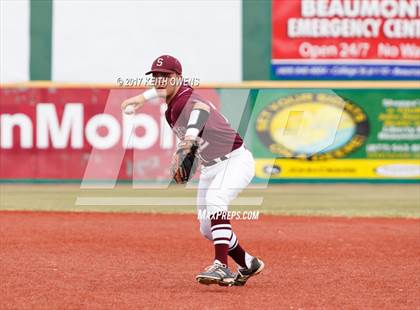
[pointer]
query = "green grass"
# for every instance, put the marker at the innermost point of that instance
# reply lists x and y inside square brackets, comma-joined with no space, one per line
[349,200]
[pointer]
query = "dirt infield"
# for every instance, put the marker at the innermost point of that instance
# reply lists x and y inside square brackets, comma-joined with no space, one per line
[140,261]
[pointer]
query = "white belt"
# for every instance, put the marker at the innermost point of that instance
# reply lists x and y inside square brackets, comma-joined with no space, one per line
[224,157]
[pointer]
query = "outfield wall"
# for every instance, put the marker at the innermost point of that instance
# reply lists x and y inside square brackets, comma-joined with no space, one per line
[220,41]
[297,131]
[101,41]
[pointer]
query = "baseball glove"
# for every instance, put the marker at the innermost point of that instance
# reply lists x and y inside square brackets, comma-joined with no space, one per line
[185,161]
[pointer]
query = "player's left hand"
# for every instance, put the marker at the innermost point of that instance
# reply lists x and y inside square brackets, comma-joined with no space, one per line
[185,161]
[186,145]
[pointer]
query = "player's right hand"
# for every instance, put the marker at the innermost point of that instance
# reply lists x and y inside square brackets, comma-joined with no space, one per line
[136,102]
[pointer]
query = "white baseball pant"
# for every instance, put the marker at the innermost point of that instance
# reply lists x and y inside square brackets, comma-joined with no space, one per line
[220,183]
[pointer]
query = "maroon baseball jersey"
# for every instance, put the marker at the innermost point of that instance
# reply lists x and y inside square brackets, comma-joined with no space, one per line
[219,138]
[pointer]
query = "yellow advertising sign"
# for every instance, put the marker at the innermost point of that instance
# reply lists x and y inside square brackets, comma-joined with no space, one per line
[338,168]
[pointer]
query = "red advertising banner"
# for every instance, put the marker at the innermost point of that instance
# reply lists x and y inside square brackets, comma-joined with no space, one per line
[76,133]
[346,39]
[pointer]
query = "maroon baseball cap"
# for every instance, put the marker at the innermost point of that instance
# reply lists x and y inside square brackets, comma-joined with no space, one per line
[166,64]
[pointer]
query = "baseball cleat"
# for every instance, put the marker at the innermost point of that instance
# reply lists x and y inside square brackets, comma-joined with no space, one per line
[244,274]
[217,273]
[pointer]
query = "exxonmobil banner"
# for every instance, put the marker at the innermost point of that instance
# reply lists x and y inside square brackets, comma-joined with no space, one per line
[346,39]
[70,133]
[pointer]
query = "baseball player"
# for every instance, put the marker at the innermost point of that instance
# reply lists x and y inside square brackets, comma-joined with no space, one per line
[227,166]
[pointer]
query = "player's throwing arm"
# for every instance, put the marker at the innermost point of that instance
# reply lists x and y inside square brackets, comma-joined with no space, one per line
[130,105]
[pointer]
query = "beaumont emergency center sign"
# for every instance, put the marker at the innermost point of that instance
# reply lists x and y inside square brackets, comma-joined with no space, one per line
[346,39]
